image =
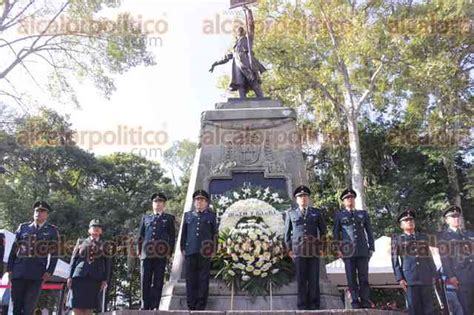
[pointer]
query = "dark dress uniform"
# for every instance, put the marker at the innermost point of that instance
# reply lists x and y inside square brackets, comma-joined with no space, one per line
[28,261]
[355,230]
[412,262]
[197,241]
[2,252]
[457,258]
[156,245]
[304,228]
[89,267]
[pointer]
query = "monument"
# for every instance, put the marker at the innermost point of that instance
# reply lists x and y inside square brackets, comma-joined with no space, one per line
[242,142]
[249,159]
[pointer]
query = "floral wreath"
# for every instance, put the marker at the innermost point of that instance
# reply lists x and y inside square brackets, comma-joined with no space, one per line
[251,254]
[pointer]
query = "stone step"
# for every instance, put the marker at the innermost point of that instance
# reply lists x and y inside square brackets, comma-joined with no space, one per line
[321,312]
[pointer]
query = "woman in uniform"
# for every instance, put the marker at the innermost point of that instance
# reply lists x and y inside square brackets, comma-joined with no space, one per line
[90,269]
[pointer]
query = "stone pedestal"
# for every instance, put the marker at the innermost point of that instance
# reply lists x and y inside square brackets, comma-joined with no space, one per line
[323,312]
[253,141]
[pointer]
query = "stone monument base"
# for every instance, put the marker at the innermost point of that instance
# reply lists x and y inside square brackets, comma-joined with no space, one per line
[288,312]
[174,298]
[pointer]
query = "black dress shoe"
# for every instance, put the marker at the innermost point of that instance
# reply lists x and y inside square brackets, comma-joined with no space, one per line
[356,306]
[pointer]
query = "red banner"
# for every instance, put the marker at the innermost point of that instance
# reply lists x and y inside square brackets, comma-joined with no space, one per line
[47,286]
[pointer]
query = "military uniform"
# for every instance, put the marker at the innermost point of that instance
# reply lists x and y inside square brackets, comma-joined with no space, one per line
[457,257]
[354,229]
[89,267]
[28,261]
[156,245]
[197,242]
[304,229]
[412,262]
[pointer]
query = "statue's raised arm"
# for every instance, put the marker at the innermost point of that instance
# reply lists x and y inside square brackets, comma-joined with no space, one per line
[250,22]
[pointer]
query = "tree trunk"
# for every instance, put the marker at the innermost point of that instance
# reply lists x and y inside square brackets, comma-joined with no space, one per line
[356,160]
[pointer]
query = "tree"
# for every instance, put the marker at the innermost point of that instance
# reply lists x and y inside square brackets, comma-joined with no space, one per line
[440,81]
[330,56]
[46,164]
[340,61]
[66,38]
[180,158]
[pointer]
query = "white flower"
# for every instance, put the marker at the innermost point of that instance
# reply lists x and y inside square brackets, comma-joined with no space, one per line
[274,271]
[246,246]
[245,278]
[230,272]
[249,268]
[267,256]
[264,274]
[240,266]
[253,236]
[236,195]
[235,258]
[257,272]
[266,266]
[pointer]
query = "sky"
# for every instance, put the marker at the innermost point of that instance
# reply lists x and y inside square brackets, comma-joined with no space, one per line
[164,101]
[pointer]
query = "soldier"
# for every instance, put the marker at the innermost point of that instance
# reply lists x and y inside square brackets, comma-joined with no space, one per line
[89,271]
[156,241]
[304,229]
[28,261]
[197,245]
[356,248]
[413,265]
[457,257]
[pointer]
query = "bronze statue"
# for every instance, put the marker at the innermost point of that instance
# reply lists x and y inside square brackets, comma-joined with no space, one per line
[246,69]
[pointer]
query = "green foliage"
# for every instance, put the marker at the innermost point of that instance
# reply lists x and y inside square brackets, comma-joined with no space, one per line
[414,124]
[79,187]
[180,158]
